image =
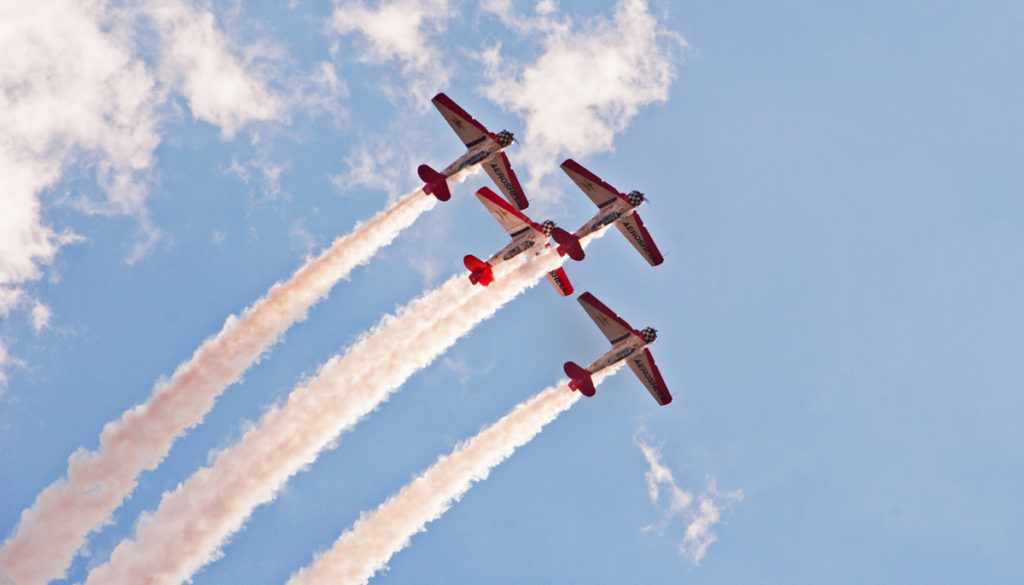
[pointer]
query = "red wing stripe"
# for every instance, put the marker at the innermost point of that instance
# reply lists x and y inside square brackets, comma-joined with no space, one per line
[652,248]
[593,302]
[666,397]
[502,203]
[448,108]
[571,165]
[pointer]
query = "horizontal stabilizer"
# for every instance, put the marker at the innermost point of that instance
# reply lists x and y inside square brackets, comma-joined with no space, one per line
[480,272]
[568,244]
[560,281]
[580,378]
[436,183]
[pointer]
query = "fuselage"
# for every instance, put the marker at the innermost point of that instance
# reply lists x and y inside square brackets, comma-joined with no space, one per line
[476,154]
[610,213]
[621,349]
[526,239]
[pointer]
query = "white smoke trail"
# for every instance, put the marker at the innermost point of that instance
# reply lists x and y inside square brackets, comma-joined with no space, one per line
[97,482]
[377,536]
[195,520]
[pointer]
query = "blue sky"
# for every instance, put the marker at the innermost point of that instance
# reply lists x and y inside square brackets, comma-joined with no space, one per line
[835,189]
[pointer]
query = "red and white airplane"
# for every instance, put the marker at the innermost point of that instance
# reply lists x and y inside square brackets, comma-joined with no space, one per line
[526,235]
[614,207]
[627,344]
[482,148]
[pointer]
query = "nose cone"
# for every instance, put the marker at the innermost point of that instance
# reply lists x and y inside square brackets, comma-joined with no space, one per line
[636,198]
[547,226]
[649,334]
[505,138]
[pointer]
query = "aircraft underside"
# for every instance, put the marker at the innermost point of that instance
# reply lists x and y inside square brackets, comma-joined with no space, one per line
[613,356]
[467,160]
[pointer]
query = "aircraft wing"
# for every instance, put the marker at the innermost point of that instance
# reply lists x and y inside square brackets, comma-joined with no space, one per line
[642,364]
[633,228]
[509,217]
[469,130]
[613,326]
[501,173]
[600,193]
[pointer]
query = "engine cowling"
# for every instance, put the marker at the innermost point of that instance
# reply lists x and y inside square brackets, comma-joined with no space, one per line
[649,334]
[505,138]
[635,198]
[546,226]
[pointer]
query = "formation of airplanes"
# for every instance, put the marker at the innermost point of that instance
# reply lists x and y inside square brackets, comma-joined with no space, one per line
[616,208]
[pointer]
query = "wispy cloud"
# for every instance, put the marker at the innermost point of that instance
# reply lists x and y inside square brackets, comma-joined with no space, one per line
[71,93]
[76,92]
[5,362]
[372,164]
[588,82]
[402,32]
[41,315]
[260,172]
[321,92]
[699,513]
[198,60]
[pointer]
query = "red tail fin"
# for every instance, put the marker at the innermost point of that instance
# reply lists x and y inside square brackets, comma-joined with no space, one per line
[567,244]
[480,272]
[580,379]
[436,183]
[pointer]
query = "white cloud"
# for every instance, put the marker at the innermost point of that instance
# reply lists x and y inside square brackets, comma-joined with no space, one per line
[400,31]
[700,519]
[41,315]
[199,61]
[587,83]
[5,362]
[71,92]
[260,172]
[74,92]
[700,533]
[10,298]
[322,92]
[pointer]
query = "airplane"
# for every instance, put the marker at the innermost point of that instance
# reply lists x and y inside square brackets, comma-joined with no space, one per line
[526,235]
[482,148]
[614,207]
[626,344]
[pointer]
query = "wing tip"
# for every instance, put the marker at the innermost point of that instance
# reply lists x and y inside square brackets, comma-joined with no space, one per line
[588,297]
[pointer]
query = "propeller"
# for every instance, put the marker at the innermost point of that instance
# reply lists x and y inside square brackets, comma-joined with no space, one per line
[636,198]
[649,334]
